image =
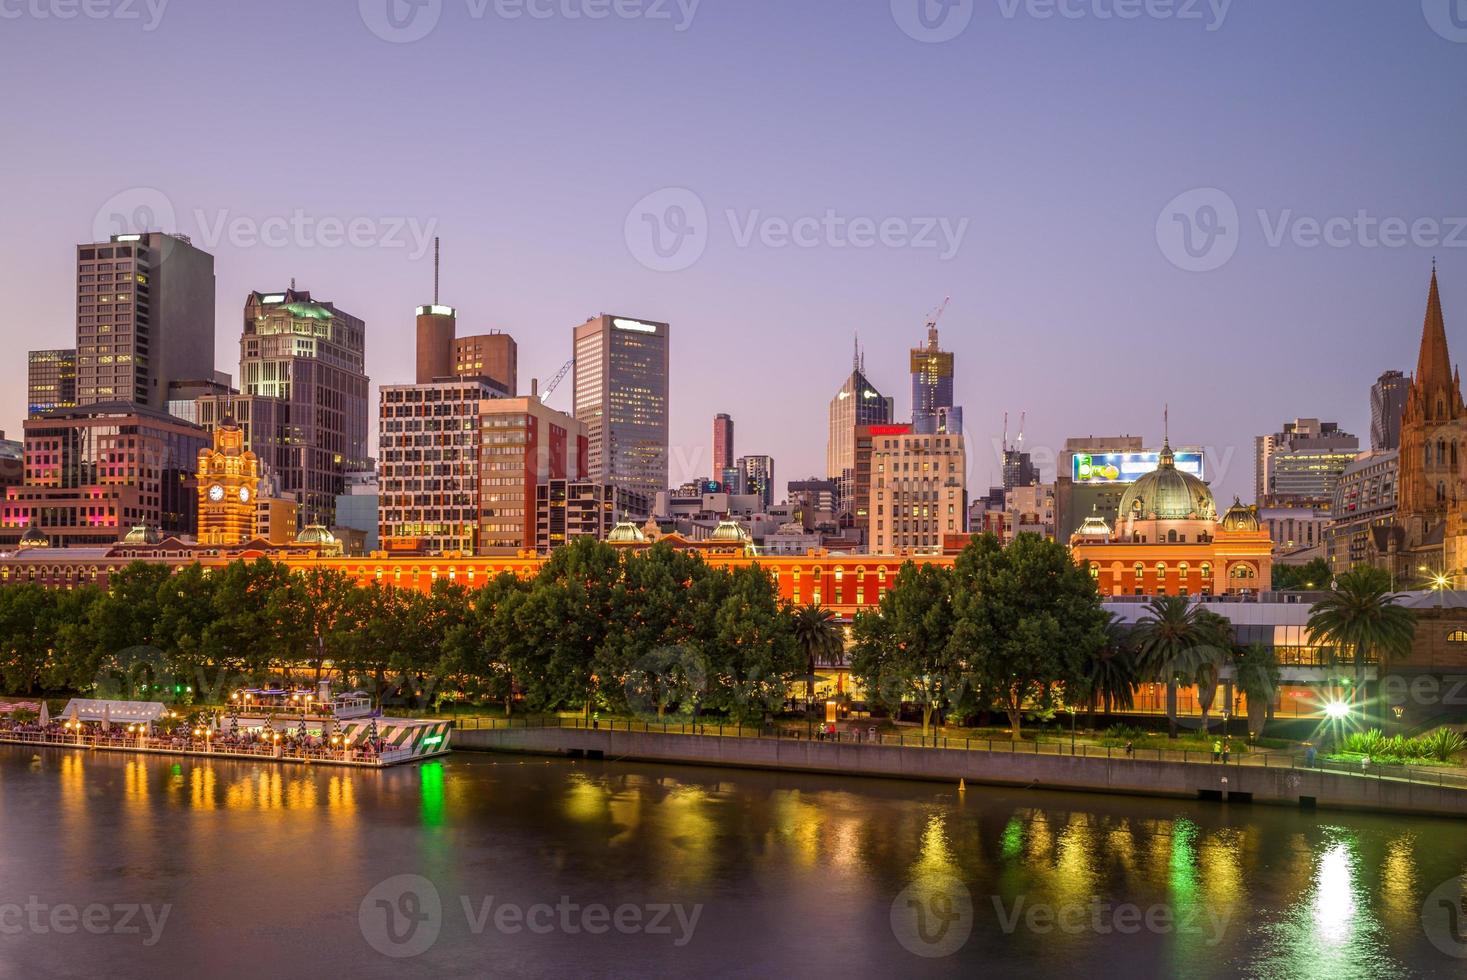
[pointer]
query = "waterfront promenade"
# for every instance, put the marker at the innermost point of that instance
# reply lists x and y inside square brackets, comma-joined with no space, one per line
[279,752]
[1262,777]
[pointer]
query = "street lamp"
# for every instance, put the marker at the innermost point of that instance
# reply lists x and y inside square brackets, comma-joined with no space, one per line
[1071,709]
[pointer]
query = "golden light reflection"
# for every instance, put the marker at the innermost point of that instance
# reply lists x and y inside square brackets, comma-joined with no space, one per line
[341,793]
[202,787]
[1120,843]
[585,799]
[798,823]
[1221,858]
[693,832]
[135,782]
[1400,904]
[1075,878]
[935,859]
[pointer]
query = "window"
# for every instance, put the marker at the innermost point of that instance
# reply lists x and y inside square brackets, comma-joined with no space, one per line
[1457,636]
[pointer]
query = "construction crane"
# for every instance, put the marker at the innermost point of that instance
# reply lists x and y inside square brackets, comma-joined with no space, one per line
[932,319]
[559,377]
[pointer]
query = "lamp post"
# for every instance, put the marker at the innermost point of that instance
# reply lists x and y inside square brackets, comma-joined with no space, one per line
[1071,709]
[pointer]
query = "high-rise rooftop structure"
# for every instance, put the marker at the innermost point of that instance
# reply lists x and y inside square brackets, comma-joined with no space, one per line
[756,478]
[932,385]
[310,355]
[1387,404]
[492,357]
[50,380]
[856,404]
[144,318]
[1300,465]
[723,444]
[919,491]
[621,396]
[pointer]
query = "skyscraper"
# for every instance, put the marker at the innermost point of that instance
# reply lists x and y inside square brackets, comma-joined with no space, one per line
[621,382]
[436,328]
[723,445]
[1299,466]
[144,318]
[311,356]
[493,357]
[50,380]
[856,404]
[932,387]
[1387,404]
[756,477]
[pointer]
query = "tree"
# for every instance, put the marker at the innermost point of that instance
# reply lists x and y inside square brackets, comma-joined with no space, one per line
[1027,618]
[1361,617]
[905,655]
[1256,672]
[186,607]
[652,659]
[26,637]
[248,634]
[563,625]
[474,651]
[1315,574]
[1179,642]
[312,609]
[752,653]
[1108,677]
[821,641]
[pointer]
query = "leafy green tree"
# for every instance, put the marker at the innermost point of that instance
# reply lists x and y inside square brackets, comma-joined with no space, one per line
[1361,618]
[475,651]
[74,656]
[1026,618]
[1256,673]
[821,640]
[653,657]
[185,609]
[26,635]
[248,635]
[1315,574]
[312,610]
[1179,642]
[752,654]
[907,657]
[564,624]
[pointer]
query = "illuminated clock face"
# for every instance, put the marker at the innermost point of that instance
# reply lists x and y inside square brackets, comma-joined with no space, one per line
[216,493]
[244,495]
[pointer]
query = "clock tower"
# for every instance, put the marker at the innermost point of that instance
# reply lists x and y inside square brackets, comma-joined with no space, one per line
[229,478]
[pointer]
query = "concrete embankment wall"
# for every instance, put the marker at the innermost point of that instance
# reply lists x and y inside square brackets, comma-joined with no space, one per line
[1291,787]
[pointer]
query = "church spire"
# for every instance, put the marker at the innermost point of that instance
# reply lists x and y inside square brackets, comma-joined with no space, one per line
[1434,367]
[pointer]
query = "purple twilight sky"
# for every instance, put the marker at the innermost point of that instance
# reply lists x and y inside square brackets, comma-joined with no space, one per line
[1228,207]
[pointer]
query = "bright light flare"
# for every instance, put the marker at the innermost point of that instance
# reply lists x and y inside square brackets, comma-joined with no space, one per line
[1337,710]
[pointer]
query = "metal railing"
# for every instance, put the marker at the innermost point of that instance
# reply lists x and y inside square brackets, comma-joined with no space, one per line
[999,746]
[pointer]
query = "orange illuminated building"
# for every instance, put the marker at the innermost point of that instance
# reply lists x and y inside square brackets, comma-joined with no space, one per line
[1168,540]
[229,479]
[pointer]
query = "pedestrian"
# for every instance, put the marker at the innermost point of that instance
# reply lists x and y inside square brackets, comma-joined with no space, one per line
[1227,748]
[1130,749]
[1216,750]
[1309,754]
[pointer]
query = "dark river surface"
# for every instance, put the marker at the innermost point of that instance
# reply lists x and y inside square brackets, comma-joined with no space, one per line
[482,865]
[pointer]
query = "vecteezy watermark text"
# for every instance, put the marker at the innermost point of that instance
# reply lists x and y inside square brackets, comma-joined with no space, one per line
[148,12]
[403,916]
[1106,918]
[35,917]
[405,21]
[936,21]
[669,230]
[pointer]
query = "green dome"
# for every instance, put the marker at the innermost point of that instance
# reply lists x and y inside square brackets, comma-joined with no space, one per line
[34,537]
[1168,494]
[626,533]
[142,534]
[730,532]
[1240,518]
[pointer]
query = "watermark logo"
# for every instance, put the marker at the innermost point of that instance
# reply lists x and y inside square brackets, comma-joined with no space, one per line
[1212,13]
[39,918]
[148,13]
[933,21]
[1199,230]
[402,916]
[1448,18]
[933,918]
[133,211]
[1444,917]
[400,21]
[667,678]
[1103,918]
[667,231]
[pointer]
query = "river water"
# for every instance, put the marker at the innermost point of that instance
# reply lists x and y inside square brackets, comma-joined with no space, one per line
[482,865]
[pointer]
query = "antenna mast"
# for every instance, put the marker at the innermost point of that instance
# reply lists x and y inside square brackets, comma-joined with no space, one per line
[435,270]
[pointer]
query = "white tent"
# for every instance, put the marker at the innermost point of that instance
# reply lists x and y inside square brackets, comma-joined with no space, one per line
[107,712]
[45,713]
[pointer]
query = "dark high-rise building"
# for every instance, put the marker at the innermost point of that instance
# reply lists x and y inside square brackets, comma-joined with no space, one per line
[144,318]
[311,356]
[856,404]
[1018,469]
[756,477]
[1387,404]
[620,380]
[50,381]
[723,445]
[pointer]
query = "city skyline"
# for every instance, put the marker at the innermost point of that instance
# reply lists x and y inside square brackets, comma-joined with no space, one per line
[510,263]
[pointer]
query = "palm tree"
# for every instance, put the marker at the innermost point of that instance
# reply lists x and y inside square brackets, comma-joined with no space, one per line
[1361,617]
[820,639]
[1256,674]
[1178,642]
[1109,677]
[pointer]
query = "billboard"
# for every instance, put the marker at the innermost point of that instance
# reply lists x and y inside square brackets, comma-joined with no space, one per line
[1129,467]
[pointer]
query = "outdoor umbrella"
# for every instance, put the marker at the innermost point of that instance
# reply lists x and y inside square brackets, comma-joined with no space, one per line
[106,717]
[45,714]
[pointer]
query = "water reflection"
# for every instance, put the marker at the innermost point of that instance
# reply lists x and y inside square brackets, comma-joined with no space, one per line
[777,860]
